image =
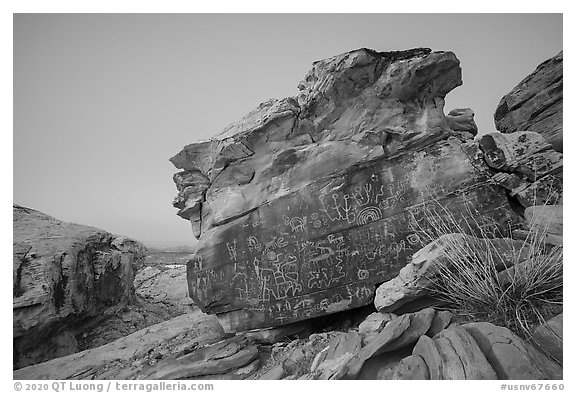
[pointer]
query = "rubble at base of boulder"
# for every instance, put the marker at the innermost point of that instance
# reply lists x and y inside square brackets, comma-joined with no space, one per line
[194,346]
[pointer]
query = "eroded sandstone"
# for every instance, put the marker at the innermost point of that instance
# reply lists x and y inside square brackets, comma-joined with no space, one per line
[64,273]
[308,202]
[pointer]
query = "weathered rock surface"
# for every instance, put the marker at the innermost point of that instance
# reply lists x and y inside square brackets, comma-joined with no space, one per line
[373,324]
[132,356]
[536,103]
[453,354]
[462,120]
[440,322]
[529,168]
[510,356]
[412,367]
[545,219]
[64,273]
[165,285]
[416,278]
[161,293]
[330,362]
[219,358]
[308,202]
[549,338]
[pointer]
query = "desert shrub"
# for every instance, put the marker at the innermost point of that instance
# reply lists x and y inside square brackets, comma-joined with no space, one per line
[471,285]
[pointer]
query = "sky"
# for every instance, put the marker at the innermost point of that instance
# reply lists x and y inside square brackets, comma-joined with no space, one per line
[102,101]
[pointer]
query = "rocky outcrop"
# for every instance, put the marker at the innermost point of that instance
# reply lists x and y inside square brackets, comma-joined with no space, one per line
[527,167]
[306,203]
[536,103]
[63,274]
[462,120]
[166,286]
[136,355]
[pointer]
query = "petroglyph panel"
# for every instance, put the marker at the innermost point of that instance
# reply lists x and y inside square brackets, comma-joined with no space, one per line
[324,248]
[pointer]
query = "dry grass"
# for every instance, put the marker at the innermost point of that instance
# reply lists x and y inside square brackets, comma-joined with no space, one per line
[470,282]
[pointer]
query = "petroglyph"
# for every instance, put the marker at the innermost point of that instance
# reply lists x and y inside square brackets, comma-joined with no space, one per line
[290,258]
[369,214]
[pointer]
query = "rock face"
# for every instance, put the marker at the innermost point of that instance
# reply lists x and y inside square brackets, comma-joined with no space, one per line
[165,285]
[462,120]
[527,166]
[62,274]
[307,203]
[536,104]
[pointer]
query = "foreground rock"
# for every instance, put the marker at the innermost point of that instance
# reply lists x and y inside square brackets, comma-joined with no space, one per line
[219,358]
[453,354]
[511,357]
[307,203]
[63,274]
[536,104]
[549,338]
[132,356]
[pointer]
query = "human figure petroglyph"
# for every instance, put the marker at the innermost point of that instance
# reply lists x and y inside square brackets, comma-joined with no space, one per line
[362,194]
[232,250]
[282,280]
[335,211]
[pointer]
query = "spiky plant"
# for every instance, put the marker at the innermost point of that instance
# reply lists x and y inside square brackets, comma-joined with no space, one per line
[470,282]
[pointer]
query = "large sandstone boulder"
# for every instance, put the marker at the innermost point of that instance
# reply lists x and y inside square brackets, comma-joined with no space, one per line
[308,202]
[536,103]
[64,273]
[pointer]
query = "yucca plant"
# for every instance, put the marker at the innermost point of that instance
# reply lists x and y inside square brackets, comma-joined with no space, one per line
[471,283]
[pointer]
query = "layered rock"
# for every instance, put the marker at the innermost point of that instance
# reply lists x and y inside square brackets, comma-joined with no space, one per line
[527,166]
[142,353]
[307,203]
[62,274]
[510,356]
[536,103]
